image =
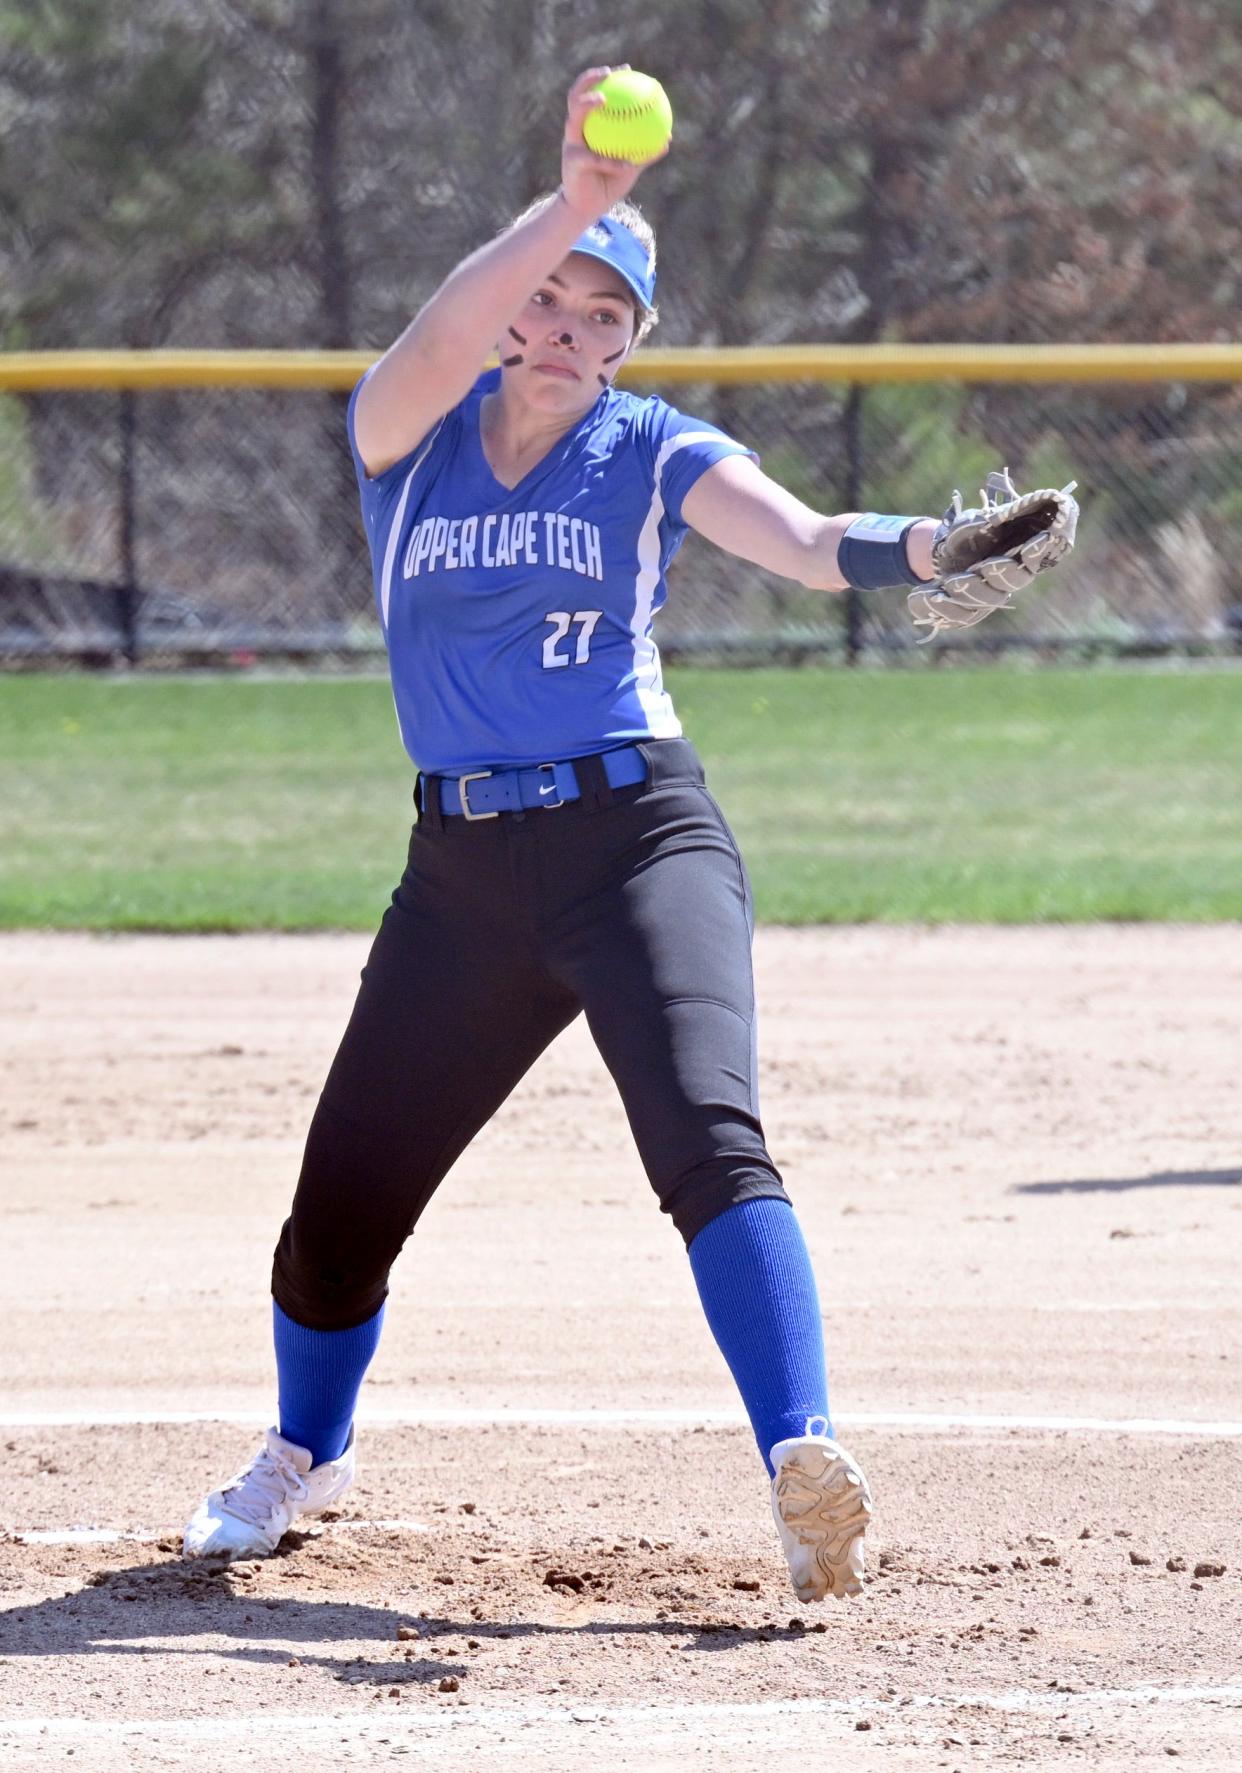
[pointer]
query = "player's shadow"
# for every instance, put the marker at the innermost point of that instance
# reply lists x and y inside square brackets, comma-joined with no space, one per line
[1124,1184]
[119,1611]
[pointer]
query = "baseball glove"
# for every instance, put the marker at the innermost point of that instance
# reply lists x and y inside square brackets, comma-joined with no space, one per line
[984,555]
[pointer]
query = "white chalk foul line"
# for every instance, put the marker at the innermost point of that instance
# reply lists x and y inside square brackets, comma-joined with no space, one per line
[709,1416]
[115,1536]
[1147,1425]
[300,1727]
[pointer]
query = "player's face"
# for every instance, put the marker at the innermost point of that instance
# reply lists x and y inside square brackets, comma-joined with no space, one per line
[571,338]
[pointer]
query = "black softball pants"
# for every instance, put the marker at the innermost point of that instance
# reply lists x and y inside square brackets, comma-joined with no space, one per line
[629,904]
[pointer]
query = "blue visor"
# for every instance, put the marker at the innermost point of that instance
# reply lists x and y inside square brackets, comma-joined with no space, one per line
[614,245]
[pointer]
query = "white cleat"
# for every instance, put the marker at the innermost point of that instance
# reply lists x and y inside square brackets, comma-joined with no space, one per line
[822,1508]
[249,1515]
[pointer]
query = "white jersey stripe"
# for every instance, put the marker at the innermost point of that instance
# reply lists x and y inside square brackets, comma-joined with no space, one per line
[394,534]
[648,678]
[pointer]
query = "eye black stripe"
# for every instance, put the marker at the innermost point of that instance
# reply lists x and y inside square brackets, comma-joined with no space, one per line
[515,334]
[616,354]
[509,362]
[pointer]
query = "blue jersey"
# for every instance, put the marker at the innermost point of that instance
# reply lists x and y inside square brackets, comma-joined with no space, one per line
[519,622]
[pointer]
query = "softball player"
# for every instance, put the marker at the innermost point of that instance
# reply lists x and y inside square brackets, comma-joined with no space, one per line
[567,855]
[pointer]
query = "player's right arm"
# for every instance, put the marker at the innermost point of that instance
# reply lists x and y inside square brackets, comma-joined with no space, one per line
[434,363]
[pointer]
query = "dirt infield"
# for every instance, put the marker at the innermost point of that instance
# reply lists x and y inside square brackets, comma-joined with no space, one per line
[1018,1158]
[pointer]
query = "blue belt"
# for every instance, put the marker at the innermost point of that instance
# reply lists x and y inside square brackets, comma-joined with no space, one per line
[485,794]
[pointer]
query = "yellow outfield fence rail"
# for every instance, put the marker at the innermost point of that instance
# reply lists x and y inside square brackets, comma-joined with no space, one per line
[189,506]
[35,371]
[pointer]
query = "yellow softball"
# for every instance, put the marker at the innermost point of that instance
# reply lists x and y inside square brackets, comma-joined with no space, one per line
[635,121]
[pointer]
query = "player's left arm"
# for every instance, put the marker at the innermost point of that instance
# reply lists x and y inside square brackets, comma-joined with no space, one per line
[743,510]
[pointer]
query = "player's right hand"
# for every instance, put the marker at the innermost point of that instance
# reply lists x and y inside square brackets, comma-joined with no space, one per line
[591,183]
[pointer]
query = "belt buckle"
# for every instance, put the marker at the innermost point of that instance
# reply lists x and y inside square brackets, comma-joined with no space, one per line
[477,776]
[555,788]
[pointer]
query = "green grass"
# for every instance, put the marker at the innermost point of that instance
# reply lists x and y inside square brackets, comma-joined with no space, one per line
[981,795]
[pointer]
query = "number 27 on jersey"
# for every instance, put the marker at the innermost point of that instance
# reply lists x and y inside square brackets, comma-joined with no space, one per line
[562,620]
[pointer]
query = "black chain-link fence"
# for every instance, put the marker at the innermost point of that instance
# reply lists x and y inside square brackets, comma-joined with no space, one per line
[302,174]
[221,523]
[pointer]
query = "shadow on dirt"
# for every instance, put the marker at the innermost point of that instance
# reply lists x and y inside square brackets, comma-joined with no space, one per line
[1123,1184]
[120,1612]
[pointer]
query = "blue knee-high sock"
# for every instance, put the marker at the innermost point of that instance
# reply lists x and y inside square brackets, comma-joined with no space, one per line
[319,1373]
[754,1278]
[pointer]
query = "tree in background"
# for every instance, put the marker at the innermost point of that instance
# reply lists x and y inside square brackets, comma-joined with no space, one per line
[276,173]
[273,172]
